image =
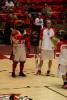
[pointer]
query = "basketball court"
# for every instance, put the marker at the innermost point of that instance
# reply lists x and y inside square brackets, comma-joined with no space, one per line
[39,87]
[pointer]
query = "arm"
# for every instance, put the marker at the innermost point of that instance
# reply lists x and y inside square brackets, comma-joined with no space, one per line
[41,37]
[15,41]
[40,44]
[54,38]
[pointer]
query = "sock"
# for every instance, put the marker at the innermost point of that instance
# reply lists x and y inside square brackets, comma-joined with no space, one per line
[14,67]
[21,67]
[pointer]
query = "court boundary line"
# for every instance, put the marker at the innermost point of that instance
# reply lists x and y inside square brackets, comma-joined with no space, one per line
[48,87]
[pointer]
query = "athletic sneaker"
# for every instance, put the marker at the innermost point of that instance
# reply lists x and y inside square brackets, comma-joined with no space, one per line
[38,72]
[22,74]
[48,73]
[13,74]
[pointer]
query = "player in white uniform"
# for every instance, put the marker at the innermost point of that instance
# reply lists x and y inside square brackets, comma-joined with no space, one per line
[47,47]
[63,61]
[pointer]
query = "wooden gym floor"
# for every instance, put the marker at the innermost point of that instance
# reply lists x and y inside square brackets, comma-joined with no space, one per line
[36,87]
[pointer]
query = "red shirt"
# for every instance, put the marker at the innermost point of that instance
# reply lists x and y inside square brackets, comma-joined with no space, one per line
[59,46]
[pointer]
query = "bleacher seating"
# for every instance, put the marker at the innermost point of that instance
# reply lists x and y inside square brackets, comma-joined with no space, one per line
[57,6]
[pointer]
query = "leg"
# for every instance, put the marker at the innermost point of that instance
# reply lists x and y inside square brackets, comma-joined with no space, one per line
[40,64]
[49,67]
[21,69]
[64,77]
[36,56]
[39,67]
[36,50]
[36,60]
[14,68]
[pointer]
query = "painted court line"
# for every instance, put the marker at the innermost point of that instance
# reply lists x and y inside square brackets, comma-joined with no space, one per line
[55,91]
[48,87]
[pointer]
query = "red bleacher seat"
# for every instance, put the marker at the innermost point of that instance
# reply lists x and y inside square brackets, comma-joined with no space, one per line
[58,1]
[57,7]
[49,1]
[43,0]
[19,9]
[35,1]
[21,1]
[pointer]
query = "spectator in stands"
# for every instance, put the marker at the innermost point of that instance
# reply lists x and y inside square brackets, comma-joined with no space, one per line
[9,5]
[27,21]
[47,47]
[2,3]
[32,8]
[47,11]
[31,18]
[64,14]
[39,20]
